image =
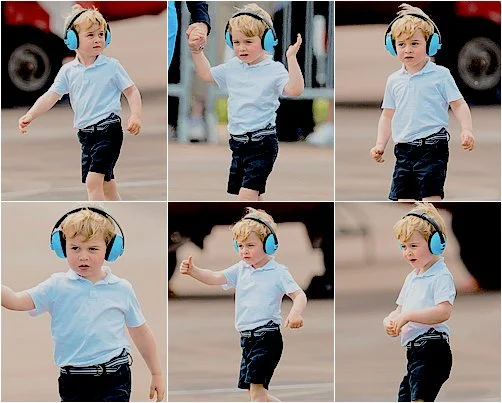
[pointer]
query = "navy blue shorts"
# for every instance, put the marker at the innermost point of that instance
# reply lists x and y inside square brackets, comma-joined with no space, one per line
[113,387]
[260,356]
[420,171]
[428,368]
[252,163]
[101,150]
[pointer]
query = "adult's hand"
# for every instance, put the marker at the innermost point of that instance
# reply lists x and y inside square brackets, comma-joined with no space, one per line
[197,35]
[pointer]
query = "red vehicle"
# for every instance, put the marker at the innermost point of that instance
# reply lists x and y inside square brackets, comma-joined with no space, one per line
[470,32]
[32,46]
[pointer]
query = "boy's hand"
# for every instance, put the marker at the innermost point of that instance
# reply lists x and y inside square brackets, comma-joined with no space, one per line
[294,320]
[134,125]
[157,385]
[24,121]
[399,321]
[197,36]
[186,266]
[467,140]
[376,153]
[293,49]
[389,324]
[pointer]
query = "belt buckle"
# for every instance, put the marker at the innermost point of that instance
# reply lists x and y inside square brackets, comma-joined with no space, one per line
[100,370]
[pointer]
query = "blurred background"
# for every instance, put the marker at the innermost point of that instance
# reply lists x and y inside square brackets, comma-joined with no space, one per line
[370,272]
[362,66]
[305,125]
[27,347]
[204,352]
[45,164]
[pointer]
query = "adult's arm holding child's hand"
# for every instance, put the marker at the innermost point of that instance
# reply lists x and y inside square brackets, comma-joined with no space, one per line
[41,105]
[205,276]
[16,301]
[295,86]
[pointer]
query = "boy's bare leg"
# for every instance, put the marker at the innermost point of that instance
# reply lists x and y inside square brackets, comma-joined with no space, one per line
[248,194]
[94,183]
[272,398]
[432,198]
[110,190]
[257,393]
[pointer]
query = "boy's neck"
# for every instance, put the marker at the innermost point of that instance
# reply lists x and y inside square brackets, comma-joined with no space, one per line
[86,60]
[262,262]
[431,263]
[416,69]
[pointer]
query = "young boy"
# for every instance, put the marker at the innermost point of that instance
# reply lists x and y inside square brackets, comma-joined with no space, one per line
[94,83]
[254,83]
[260,284]
[424,304]
[89,308]
[415,110]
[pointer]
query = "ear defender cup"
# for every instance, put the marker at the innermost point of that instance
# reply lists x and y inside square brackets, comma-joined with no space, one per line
[433,43]
[437,240]
[71,35]
[114,249]
[269,38]
[270,243]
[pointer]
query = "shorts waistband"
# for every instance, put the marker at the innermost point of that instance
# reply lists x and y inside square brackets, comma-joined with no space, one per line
[260,331]
[102,125]
[256,135]
[431,334]
[432,139]
[109,367]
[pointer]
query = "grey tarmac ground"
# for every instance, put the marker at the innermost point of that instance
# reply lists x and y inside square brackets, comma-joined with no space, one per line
[361,73]
[203,345]
[369,274]
[28,369]
[45,163]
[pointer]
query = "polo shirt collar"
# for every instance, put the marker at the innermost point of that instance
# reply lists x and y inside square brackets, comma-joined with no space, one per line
[434,269]
[101,59]
[270,265]
[110,278]
[429,67]
[268,60]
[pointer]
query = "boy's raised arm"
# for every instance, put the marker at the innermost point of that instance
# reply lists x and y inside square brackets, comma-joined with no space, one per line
[295,86]
[205,276]
[16,301]
[202,66]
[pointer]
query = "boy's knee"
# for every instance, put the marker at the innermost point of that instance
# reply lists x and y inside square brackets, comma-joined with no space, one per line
[94,180]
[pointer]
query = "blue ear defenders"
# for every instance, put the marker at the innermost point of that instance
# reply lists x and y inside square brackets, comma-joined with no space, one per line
[114,249]
[437,241]
[71,34]
[270,243]
[433,43]
[269,38]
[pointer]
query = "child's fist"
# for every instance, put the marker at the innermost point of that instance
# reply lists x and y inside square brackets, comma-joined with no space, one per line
[293,49]
[467,140]
[376,153]
[294,320]
[186,266]
[134,125]
[24,121]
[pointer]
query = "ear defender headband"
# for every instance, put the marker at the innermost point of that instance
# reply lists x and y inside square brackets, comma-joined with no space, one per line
[71,34]
[270,243]
[114,249]
[437,241]
[269,38]
[433,43]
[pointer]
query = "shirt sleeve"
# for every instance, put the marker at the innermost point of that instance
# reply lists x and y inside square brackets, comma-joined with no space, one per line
[452,93]
[444,290]
[122,79]
[288,284]
[42,296]
[231,276]
[388,99]
[219,75]
[60,84]
[133,317]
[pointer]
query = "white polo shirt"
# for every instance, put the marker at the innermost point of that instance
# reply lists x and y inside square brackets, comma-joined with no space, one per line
[426,290]
[253,92]
[421,101]
[258,292]
[94,91]
[87,320]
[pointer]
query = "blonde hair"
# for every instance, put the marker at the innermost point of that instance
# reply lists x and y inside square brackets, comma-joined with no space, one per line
[406,226]
[88,224]
[90,17]
[243,228]
[248,25]
[408,25]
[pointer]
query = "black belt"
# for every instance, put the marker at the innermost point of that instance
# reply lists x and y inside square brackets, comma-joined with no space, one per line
[109,367]
[432,334]
[102,125]
[432,139]
[260,331]
[256,135]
